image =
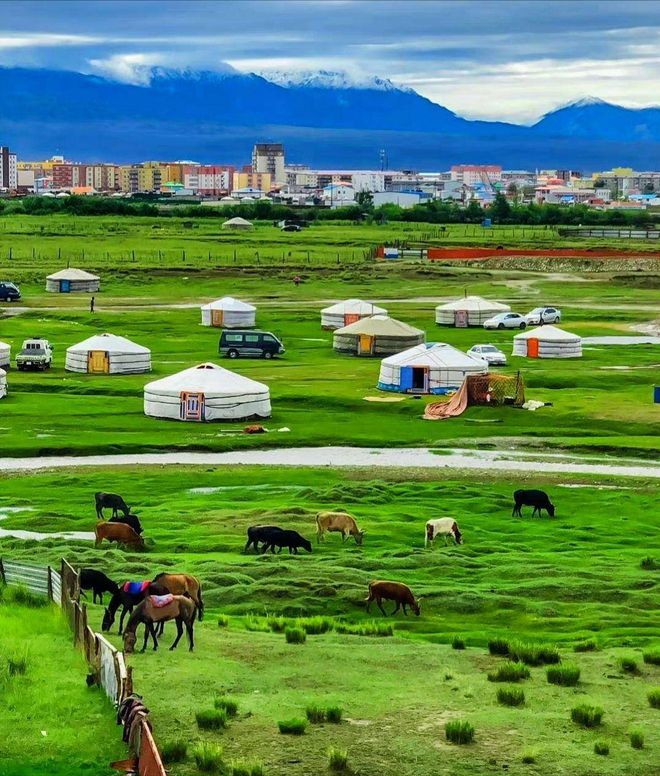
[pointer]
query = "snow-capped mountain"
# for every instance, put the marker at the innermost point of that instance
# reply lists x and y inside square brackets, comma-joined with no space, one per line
[329,79]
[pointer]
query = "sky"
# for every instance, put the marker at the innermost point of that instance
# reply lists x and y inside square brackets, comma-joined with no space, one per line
[509,60]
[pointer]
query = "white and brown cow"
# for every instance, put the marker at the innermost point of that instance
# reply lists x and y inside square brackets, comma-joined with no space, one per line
[446,527]
[340,522]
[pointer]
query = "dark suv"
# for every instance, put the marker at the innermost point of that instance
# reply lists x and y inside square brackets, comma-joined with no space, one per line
[250,344]
[9,292]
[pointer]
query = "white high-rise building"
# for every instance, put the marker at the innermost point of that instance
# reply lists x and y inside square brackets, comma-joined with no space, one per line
[269,158]
[8,169]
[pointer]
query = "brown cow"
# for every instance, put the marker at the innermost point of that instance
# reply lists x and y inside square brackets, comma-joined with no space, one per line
[118,532]
[392,591]
[340,522]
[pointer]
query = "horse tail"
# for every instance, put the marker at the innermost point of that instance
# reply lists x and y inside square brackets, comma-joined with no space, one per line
[199,599]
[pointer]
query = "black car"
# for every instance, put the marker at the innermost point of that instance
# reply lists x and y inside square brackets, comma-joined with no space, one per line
[250,344]
[9,292]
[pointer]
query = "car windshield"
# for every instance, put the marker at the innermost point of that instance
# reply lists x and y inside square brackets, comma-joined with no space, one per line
[536,310]
[489,349]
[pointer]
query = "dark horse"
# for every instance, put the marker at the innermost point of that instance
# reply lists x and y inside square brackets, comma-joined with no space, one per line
[180,608]
[129,601]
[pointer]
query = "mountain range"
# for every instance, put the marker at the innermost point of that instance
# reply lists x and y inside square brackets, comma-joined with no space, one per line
[325,119]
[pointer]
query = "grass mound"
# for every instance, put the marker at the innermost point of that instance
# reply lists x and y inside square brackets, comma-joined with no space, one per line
[654,698]
[227,704]
[636,738]
[589,645]
[174,751]
[292,727]
[510,696]
[629,665]
[459,732]
[208,757]
[457,643]
[211,719]
[586,715]
[652,657]
[602,748]
[295,636]
[509,672]
[498,647]
[337,760]
[565,675]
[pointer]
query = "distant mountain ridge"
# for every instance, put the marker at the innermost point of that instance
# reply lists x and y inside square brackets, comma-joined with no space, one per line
[325,119]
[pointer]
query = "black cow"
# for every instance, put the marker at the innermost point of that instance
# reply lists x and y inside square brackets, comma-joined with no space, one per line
[532,498]
[283,538]
[259,533]
[98,582]
[110,500]
[131,520]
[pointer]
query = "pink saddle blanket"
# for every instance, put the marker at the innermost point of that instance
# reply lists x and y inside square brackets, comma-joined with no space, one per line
[161,600]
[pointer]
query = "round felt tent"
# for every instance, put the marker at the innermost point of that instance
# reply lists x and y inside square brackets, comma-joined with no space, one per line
[377,335]
[206,392]
[434,368]
[547,342]
[70,280]
[3,383]
[5,354]
[108,354]
[237,223]
[229,313]
[347,312]
[468,311]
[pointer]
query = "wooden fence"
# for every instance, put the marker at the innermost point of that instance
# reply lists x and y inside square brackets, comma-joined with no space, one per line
[107,663]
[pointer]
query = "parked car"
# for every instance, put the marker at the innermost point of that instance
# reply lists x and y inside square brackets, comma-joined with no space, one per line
[506,321]
[9,292]
[543,315]
[36,353]
[249,344]
[489,353]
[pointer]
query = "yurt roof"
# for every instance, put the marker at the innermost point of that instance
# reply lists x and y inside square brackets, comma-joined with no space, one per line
[381,325]
[206,378]
[4,346]
[237,221]
[229,303]
[548,333]
[111,343]
[73,274]
[355,307]
[438,354]
[473,303]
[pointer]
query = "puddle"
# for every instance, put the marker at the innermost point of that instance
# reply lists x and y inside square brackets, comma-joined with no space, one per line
[220,488]
[595,487]
[39,536]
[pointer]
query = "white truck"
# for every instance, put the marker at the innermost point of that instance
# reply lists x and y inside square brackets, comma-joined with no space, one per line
[36,354]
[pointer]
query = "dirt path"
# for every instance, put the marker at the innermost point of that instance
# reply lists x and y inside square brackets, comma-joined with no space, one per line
[340,457]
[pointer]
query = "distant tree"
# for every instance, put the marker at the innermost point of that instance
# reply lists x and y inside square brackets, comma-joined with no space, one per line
[599,183]
[365,200]
[500,209]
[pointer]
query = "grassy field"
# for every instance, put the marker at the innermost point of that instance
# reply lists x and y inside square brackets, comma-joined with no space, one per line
[52,723]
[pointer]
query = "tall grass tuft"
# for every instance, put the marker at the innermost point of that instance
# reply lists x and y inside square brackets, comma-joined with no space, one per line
[337,759]
[459,732]
[333,714]
[211,719]
[652,657]
[565,675]
[278,624]
[315,714]
[498,647]
[17,665]
[529,756]
[314,626]
[382,629]
[295,636]
[602,748]
[256,624]
[292,727]
[654,698]
[223,621]
[589,645]
[208,757]
[587,715]
[174,751]
[629,665]
[509,672]
[534,654]
[636,738]
[510,696]
[648,563]
[246,768]
[457,643]
[226,704]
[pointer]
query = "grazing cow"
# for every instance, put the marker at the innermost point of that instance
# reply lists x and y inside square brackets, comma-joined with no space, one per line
[446,527]
[532,498]
[110,501]
[392,591]
[282,538]
[131,520]
[90,579]
[118,532]
[259,533]
[340,522]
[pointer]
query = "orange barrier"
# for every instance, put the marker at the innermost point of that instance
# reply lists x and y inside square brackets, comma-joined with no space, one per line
[440,254]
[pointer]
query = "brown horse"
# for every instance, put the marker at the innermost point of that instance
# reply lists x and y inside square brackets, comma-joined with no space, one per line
[183,584]
[180,609]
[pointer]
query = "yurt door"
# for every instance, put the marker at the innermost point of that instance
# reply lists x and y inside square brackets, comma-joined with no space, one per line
[406,378]
[461,319]
[98,362]
[192,406]
[65,286]
[351,318]
[420,379]
[365,345]
[216,317]
[532,347]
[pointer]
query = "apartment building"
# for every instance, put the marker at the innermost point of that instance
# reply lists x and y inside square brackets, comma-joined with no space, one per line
[472,174]
[209,180]
[268,158]
[99,177]
[144,178]
[8,169]
[252,180]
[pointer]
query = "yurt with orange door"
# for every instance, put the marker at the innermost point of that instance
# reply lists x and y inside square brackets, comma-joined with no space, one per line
[108,354]
[378,335]
[547,342]
[347,312]
[229,313]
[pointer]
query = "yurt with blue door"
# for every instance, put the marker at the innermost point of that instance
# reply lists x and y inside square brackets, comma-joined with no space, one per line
[72,280]
[206,392]
[432,368]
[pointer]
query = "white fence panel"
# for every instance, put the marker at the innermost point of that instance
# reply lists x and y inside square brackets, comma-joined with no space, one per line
[108,671]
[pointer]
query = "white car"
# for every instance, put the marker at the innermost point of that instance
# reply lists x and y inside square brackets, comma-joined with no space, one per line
[506,321]
[545,314]
[489,353]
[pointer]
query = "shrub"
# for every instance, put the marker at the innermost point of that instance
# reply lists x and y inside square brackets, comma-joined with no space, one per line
[586,715]
[602,748]
[528,756]
[313,626]
[636,738]
[278,624]
[25,597]
[629,665]
[652,657]
[365,629]
[565,675]
[17,665]
[648,563]
[295,636]
[498,647]
[510,696]
[586,646]
[534,654]
[246,768]
[227,704]
[509,672]
[654,698]
[459,732]
[223,621]
[457,643]
[174,751]
[337,759]
[211,719]
[208,757]
[333,714]
[315,714]
[292,727]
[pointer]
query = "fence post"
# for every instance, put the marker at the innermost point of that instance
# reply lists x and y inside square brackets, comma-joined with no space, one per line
[2,572]
[62,587]
[50,584]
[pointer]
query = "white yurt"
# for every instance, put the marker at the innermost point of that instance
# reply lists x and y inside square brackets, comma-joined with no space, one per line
[5,354]
[547,342]
[108,354]
[378,335]
[204,393]
[349,311]
[431,368]
[70,280]
[237,223]
[3,383]
[229,313]
[468,311]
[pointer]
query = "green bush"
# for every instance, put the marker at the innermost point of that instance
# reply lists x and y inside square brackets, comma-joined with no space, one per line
[223,621]
[510,696]
[295,636]
[211,719]
[509,672]
[337,759]
[602,748]
[315,714]
[636,738]
[528,756]
[333,714]
[313,626]
[208,757]
[534,654]
[246,768]
[586,646]
[565,675]
[459,732]
[173,751]
[586,715]
[629,665]
[654,698]
[227,704]
[292,727]
[498,647]
[652,657]
[457,643]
